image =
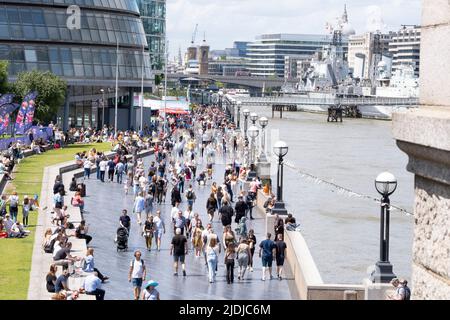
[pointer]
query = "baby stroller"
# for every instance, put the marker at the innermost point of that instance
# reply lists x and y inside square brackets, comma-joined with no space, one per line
[122,239]
[241,230]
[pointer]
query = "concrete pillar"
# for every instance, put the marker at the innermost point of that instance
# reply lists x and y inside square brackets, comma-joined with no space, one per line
[350,295]
[424,134]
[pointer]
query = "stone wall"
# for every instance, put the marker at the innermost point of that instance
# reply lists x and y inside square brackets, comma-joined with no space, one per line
[424,134]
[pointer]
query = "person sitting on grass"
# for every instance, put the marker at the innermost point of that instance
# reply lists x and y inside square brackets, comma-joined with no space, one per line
[4,171]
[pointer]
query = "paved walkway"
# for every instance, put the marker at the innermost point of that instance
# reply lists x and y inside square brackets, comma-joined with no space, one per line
[104,203]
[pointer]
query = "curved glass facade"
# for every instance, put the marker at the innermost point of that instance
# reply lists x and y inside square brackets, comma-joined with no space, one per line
[128,5]
[30,24]
[34,35]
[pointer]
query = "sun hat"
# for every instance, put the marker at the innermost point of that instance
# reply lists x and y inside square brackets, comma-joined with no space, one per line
[151,283]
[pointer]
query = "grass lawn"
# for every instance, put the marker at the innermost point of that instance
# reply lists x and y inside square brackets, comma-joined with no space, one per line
[16,254]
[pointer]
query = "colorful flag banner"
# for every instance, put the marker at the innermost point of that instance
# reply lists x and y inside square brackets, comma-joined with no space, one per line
[5,113]
[20,119]
[29,117]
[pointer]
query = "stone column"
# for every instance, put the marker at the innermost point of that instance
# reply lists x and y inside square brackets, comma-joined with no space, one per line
[424,134]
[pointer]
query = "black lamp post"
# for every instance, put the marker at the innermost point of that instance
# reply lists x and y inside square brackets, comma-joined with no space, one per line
[253,133]
[263,122]
[280,149]
[386,184]
[253,118]
[239,104]
[246,113]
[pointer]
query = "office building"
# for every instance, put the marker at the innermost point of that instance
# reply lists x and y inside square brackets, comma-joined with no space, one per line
[291,65]
[34,34]
[405,48]
[228,67]
[365,52]
[153,15]
[266,56]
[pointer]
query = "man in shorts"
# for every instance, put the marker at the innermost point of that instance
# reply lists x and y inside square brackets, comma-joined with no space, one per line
[280,254]
[137,273]
[179,250]
[266,252]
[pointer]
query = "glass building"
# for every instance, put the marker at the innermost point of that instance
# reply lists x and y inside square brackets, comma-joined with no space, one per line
[266,56]
[153,15]
[34,34]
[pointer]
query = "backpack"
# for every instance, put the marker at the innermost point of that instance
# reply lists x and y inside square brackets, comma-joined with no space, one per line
[50,246]
[190,195]
[132,263]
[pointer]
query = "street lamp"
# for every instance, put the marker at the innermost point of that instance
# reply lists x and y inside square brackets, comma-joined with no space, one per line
[246,113]
[239,105]
[103,107]
[386,184]
[253,118]
[253,133]
[280,149]
[263,122]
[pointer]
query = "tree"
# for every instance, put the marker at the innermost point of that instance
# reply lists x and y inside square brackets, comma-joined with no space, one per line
[51,92]
[220,85]
[4,86]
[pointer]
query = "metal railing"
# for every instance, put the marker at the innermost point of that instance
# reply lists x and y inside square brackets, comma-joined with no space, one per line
[329,101]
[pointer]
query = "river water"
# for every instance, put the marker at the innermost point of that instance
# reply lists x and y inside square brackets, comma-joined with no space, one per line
[342,232]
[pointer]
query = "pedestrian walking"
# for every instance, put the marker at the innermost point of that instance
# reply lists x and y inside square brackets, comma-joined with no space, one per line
[226,214]
[230,256]
[266,252]
[212,258]
[139,206]
[243,257]
[160,229]
[280,254]
[150,292]
[125,220]
[102,166]
[137,274]
[191,197]
[211,206]
[179,250]
[148,232]
[197,240]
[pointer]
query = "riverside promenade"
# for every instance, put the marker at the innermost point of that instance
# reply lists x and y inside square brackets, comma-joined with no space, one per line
[104,203]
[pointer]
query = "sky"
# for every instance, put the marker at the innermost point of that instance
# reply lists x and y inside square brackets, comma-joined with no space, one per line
[225,21]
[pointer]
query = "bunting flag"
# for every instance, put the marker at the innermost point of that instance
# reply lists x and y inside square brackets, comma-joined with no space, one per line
[337,188]
[5,112]
[29,117]
[21,116]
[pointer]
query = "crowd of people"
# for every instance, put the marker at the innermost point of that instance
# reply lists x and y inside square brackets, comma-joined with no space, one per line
[202,138]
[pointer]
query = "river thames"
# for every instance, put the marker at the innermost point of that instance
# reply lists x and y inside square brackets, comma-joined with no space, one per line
[342,232]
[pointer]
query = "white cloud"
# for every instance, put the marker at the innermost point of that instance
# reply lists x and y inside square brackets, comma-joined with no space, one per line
[225,21]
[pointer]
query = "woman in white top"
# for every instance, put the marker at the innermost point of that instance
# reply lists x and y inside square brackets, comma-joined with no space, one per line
[150,292]
[212,257]
[160,228]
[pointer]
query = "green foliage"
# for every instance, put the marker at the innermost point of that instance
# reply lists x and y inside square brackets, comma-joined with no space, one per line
[51,90]
[220,85]
[158,79]
[4,86]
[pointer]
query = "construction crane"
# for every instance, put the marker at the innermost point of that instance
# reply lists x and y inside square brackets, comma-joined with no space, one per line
[194,35]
